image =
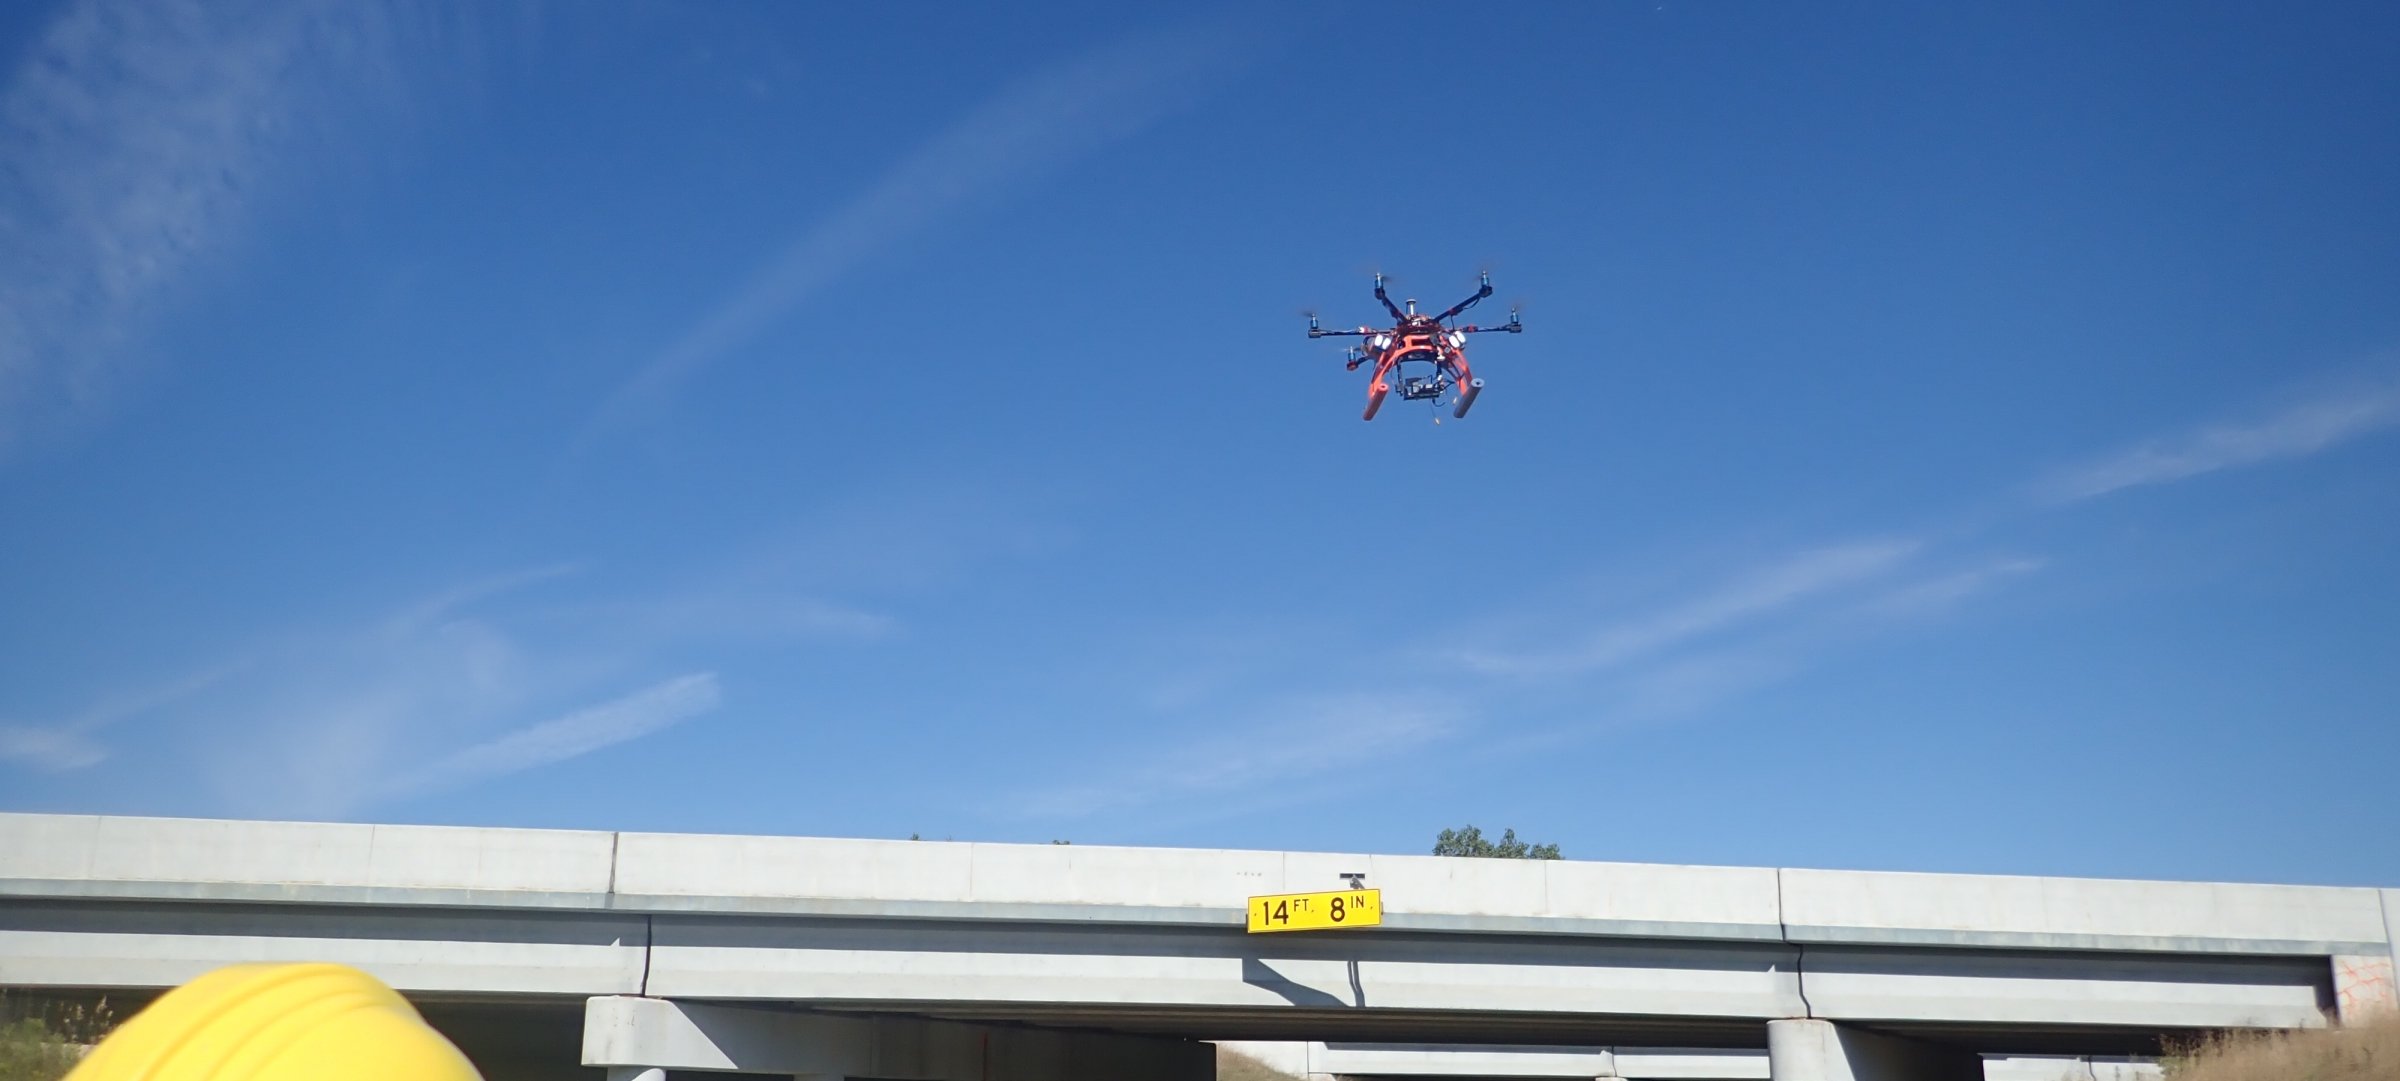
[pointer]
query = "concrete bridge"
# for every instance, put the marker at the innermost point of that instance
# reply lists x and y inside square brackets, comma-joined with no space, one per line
[924,961]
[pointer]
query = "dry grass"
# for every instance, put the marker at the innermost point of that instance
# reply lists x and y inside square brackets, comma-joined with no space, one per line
[2364,1052]
[1236,1066]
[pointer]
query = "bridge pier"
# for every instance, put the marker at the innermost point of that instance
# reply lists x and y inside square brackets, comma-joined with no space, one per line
[1802,1049]
[2363,987]
[639,1039]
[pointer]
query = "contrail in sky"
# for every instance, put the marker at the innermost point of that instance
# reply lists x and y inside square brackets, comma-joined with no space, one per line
[1030,129]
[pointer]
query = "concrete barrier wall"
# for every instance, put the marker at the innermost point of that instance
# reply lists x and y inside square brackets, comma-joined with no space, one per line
[86,855]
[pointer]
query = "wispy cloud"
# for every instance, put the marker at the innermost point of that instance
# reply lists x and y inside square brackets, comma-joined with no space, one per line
[2298,430]
[1607,672]
[1032,128]
[329,714]
[580,733]
[888,540]
[1691,684]
[439,606]
[1280,743]
[1933,594]
[326,720]
[511,671]
[134,139]
[1687,681]
[1753,627]
[409,701]
[54,749]
[720,613]
[75,744]
[1750,596]
[1706,674]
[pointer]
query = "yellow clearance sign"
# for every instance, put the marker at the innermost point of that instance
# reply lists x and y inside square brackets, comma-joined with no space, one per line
[1331,911]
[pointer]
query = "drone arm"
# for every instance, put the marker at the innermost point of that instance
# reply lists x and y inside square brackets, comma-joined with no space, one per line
[1512,326]
[1317,332]
[1480,293]
[1387,299]
[1483,288]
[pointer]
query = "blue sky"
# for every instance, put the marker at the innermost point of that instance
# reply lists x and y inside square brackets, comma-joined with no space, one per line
[1945,438]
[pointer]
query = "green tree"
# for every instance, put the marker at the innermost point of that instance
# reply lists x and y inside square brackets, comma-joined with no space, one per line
[1471,842]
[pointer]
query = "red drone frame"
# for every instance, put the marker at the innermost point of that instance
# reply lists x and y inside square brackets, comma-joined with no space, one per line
[1419,339]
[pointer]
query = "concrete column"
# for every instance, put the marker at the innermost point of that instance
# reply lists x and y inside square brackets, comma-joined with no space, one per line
[1689,1064]
[1521,1061]
[2070,1068]
[2362,988]
[1295,1057]
[1801,1049]
[2038,1068]
[637,1034]
[2125,1069]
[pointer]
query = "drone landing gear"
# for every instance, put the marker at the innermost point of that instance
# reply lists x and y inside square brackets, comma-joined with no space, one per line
[1466,398]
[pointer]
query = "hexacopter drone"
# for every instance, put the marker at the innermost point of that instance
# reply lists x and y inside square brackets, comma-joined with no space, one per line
[1418,339]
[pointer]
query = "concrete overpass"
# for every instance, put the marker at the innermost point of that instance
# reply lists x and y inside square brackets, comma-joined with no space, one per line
[823,955]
